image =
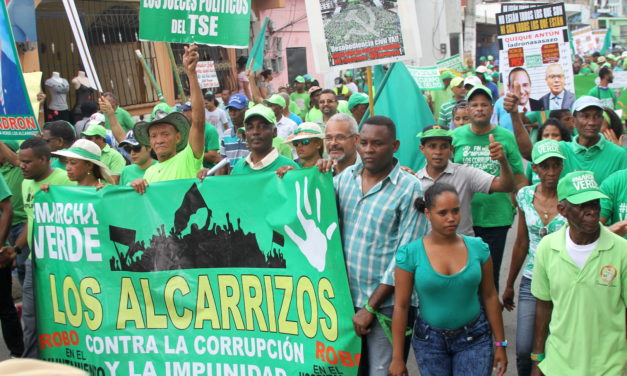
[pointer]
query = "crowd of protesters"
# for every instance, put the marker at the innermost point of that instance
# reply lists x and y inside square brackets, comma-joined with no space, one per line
[423,249]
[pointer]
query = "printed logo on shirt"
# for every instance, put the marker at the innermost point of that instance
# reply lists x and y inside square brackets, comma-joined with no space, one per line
[608,275]
[479,157]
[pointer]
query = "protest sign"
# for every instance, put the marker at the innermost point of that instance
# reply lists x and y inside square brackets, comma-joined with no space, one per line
[619,81]
[599,38]
[453,62]
[584,40]
[207,76]
[358,34]
[216,23]
[33,87]
[535,57]
[509,7]
[17,120]
[195,278]
[427,78]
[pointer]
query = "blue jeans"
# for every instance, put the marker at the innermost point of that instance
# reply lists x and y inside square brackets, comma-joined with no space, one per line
[465,351]
[14,233]
[524,327]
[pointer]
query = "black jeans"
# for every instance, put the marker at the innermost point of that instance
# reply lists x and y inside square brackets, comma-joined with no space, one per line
[11,326]
[495,237]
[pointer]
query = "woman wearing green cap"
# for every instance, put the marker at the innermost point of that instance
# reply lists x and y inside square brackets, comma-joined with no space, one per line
[538,216]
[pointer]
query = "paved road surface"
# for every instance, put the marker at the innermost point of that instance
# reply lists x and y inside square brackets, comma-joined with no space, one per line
[509,318]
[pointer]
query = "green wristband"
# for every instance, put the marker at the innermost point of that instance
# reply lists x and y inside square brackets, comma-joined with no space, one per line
[537,357]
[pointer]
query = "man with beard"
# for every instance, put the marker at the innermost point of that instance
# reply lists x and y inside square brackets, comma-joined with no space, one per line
[603,91]
[340,138]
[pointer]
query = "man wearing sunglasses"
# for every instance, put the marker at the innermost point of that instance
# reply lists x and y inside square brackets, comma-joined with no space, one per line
[328,105]
[140,156]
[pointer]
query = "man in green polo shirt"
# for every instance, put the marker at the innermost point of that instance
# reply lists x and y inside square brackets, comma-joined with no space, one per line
[34,157]
[588,151]
[492,214]
[124,118]
[580,283]
[109,156]
[260,126]
[179,146]
[614,208]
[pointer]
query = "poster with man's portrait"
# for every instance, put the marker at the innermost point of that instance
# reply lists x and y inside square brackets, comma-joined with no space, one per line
[535,57]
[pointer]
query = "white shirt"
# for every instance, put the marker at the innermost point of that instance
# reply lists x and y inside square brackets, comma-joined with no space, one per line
[266,161]
[352,87]
[285,127]
[579,253]
[217,118]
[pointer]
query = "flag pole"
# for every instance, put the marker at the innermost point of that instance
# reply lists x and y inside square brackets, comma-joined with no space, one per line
[175,70]
[150,75]
[370,90]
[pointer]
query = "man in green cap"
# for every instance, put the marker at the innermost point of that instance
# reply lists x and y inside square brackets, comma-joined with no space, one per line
[285,126]
[439,97]
[492,214]
[580,283]
[482,60]
[260,126]
[110,157]
[300,97]
[179,147]
[358,105]
[446,111]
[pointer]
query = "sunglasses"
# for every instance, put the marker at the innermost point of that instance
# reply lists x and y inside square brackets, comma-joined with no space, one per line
[129,149]
[305,141]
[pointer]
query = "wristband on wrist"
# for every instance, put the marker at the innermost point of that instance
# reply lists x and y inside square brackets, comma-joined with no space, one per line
[369,308]
[537,357]
[501,344]
[17,249]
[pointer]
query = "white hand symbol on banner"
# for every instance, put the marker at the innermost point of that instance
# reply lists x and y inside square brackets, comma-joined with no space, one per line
[314,245]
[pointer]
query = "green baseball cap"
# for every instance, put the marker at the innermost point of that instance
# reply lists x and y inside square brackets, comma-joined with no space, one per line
[260,110]
[490,57]
[300,79]
[447,75]
[545,149]
[579,187]
[276,99]
[357,98]
[435,131]
[482,58]
[348,74]
[479,89]
[95,130]
[457,81]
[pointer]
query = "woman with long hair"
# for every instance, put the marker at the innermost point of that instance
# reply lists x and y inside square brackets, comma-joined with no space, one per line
[452,275]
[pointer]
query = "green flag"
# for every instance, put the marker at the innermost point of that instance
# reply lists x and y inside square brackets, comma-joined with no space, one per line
[607,42]
[255,59]
[573,51]
[399,98]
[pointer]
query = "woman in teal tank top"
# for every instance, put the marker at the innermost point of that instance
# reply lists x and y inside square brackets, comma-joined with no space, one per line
[452,275]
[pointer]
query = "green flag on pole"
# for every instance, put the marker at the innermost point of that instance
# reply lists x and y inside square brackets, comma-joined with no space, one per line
[607,42]
[255,59]
[399,98]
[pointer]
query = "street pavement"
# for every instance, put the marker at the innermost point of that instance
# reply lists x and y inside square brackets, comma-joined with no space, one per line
[509,318]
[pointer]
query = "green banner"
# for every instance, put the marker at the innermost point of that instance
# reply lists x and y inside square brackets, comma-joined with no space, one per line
[427,78]
[585,82]
[454,62]
[238,275]
[219,23]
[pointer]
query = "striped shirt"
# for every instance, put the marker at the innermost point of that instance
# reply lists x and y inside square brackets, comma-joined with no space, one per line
[446,113]
[375,225]
[233,148]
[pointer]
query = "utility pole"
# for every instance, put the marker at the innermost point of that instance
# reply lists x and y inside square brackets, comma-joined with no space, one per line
[470,31]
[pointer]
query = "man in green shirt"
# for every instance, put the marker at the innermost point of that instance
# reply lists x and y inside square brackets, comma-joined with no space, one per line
[260,125]
[603,91]
[112,158]
[179,147]
[614,208]
[589,150]
[492,214]
[34,156]
[580,283]
[124,118]
[59,135]
[212,139]
[300,97]
[439,97]
[140,156]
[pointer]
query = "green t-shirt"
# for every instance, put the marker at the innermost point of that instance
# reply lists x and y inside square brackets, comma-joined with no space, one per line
[30,189]
[314,115]
[496,209]
[212,142]
[606,95]
[446,301]
[283,149]
[55,162]
[342,107]
[585,70]
[242,167]
[183,165]
[124,118]
[614,209]
[602,158]
[5,191]
[302,102]
[13,177]
[439,97]
[294,108]
[112,159]
[132,172]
